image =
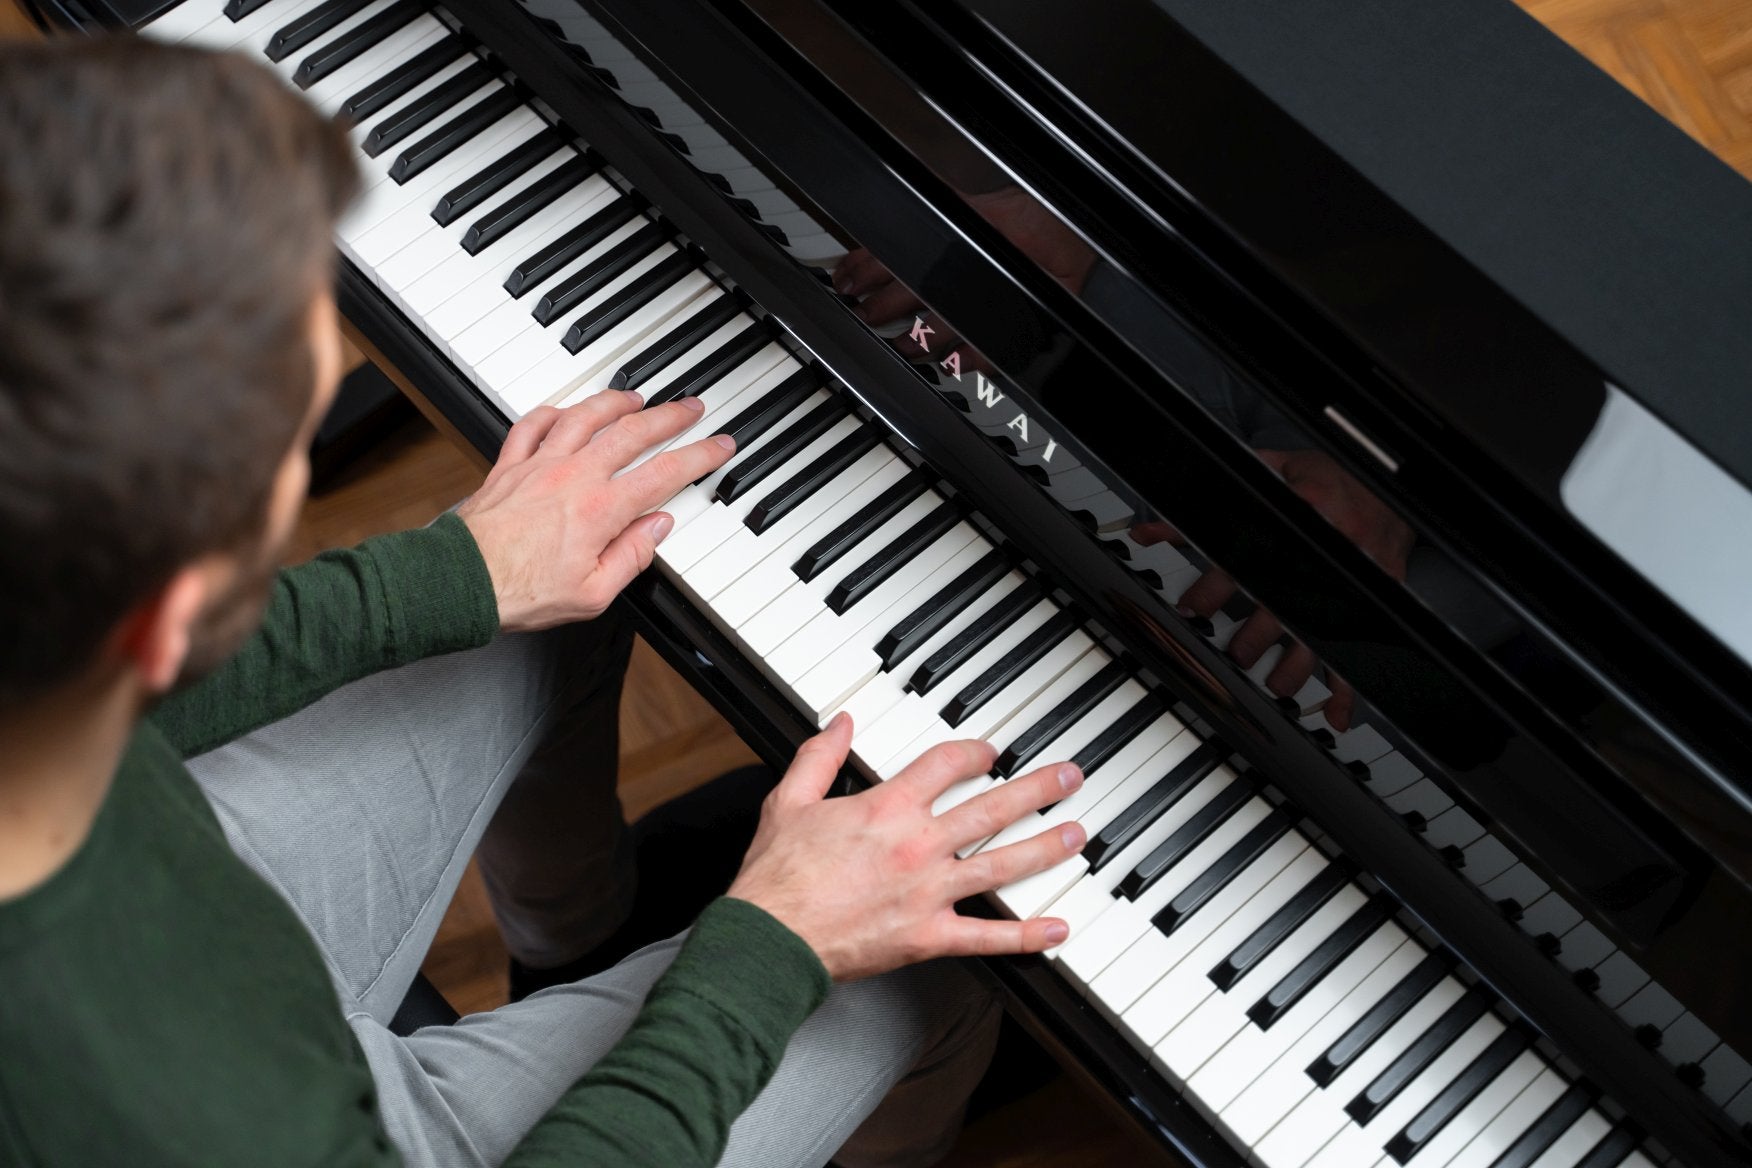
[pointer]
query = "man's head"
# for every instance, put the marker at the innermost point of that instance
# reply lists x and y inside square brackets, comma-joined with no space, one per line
[167,344]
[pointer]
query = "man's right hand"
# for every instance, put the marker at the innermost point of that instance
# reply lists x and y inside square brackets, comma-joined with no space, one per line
[870,881]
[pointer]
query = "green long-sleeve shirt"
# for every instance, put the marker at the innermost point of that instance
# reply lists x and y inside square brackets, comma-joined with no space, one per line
[161,1005]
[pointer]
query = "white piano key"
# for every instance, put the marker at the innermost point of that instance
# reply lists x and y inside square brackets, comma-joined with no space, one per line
[1569,1148]
[359,132]
[738,555]
[1204,1029]
[1362,744]
[1091,897]
[1500,1134]
[1362,1144]
[381,243]
[1686,1040]
[696,500]
[1116,786]
[1549,914]
[433,244]
[883,691]
[382,196]
[404,44]
[1725,1074]
[684,362]
[487,271]
[1320,1115]
[1161,979]
[881,743]
[181,21]
[288,65]
[697,533]
[1280,1086]
[1238,1064]
[1478,1114]
[221,32]
[1584,947]
[1620,979]
[1128,920]
[1453,828]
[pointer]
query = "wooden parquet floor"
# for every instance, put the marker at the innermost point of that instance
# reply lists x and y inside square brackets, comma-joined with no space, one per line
[1689,59]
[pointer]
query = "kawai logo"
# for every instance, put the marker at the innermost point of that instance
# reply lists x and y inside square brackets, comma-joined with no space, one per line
[984,390]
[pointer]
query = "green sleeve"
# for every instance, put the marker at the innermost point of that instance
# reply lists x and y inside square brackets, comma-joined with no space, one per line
[340,617]
[709,1037]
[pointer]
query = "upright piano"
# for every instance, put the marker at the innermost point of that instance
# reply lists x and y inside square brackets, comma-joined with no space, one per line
[1326,422]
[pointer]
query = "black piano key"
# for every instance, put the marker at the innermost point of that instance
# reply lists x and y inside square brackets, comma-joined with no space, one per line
[472,191]
[593,325]
[1280,924]
[1009,667]
[781,450]
[715,365]
[976,636]
[1113,739]
[1552,1123]
[1476,1077]
[236,10]
[596,275]
[515,211]
[668,348]
[927,619]
[1148,808]
[464,126]
[1412,1061]
[572,244]
[426,109]
[1615,1148]
[1059,719]
[404,78]
[800,486]
[830,548]
[1185,838]
[306,28]
[1294,985]
[874,572]
[774,406]
[347,47]
[1380,1018]
[1229,865]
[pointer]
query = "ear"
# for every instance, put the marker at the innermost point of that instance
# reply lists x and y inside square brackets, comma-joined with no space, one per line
[154,638]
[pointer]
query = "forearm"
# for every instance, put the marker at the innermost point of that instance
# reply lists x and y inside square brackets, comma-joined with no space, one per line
[709,1037]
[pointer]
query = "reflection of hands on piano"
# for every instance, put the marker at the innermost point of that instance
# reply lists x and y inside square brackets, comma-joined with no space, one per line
[1348,506]
[560,532]
[1022,219]
[870,881]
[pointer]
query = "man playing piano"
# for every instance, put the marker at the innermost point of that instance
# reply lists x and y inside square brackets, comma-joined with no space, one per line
[206,766]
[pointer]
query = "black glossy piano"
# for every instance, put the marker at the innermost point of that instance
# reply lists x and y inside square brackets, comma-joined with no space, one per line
[1328,423]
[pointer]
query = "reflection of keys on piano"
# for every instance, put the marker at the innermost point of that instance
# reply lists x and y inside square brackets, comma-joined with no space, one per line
[1261,974]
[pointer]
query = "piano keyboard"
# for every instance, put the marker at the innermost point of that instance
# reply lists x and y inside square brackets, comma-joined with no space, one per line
[1260,973]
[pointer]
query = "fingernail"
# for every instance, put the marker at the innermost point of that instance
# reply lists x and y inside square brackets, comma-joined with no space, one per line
[635,395]
[1070,777]
[834,722]
[843,285]
[692,405]
[664,525]
[1072,835]
[1057,932]
[1185,611]
[727,442]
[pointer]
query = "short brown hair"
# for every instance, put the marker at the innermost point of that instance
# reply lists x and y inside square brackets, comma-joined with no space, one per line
[165,225]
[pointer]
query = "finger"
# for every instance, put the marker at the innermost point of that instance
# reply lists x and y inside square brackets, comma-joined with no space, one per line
[659,477]
[1342,704]
[972,937]
[626,555]
[858,272]
[614,446]
[1257,633]
[578,424]
[524,438]
[984,871]
[1292,671]
[815,764]
[889,302]
[1155,531]
[1208,593]
[942,766]
[992,811]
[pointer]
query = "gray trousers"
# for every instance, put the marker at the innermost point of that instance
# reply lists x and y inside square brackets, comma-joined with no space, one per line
[363,811]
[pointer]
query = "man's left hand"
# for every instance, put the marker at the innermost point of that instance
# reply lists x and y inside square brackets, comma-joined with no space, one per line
[560,534]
